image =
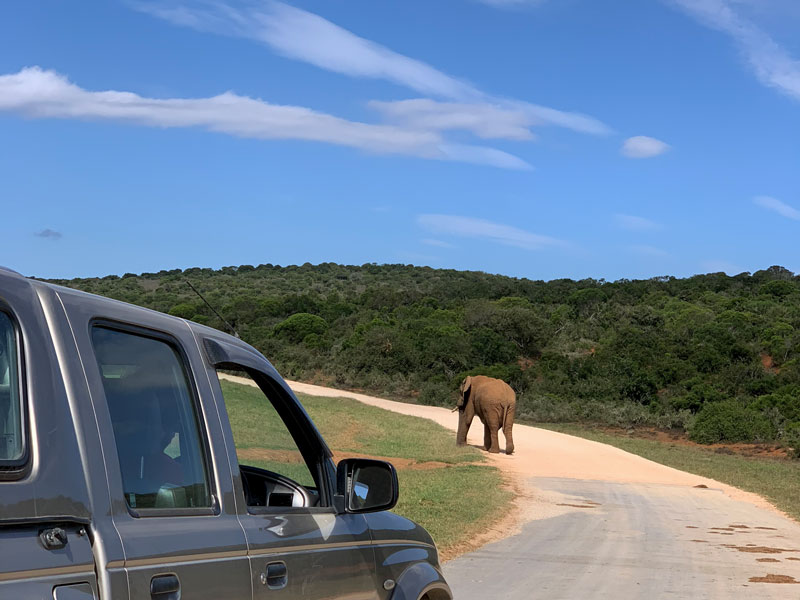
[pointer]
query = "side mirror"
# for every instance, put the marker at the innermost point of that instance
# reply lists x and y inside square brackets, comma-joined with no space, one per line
[364,485]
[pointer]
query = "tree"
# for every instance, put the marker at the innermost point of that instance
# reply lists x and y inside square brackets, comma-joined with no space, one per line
[300,325]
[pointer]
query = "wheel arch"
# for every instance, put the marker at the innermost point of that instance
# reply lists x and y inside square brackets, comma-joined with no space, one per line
[421,581]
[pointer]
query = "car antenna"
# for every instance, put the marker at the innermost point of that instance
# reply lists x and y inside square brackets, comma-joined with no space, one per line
[231,327]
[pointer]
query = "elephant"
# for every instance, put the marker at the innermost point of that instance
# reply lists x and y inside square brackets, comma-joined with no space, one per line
[494,402]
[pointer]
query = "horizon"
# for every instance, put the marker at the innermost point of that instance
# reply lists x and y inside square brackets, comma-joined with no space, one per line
[540,139]
[162,272]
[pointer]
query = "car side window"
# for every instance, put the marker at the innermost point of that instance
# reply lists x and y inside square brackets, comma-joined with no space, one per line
[264,443]
[155,420]
[11,431]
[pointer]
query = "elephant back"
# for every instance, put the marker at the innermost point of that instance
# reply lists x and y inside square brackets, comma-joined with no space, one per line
[496,388]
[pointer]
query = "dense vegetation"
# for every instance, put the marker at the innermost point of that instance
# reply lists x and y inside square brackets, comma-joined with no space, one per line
[718,356]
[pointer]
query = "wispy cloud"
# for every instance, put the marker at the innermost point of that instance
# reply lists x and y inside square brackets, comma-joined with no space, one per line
[49,234]
[634,223]
[304,36]
[777,206]
[487,230]
[46,94]
[772,65]
[641,146]
[437,243]
[484,120]
[481,155]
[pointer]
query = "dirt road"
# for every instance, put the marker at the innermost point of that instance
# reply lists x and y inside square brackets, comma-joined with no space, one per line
[598,522]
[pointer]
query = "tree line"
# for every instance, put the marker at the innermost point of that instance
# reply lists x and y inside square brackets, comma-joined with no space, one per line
[714,355]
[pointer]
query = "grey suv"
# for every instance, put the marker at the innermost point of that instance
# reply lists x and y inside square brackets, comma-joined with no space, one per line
[120,477]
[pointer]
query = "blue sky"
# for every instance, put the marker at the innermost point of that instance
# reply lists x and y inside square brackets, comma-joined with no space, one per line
[534,138]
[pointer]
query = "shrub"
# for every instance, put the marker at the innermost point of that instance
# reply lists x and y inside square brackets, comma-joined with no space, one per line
[299,325]
[777,289]
[435,393]
[184,310]
[791,437]
[730,421]
[700,394]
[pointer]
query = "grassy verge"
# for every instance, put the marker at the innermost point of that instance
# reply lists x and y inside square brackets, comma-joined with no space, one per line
[443,487]
[776,480]
[452,503]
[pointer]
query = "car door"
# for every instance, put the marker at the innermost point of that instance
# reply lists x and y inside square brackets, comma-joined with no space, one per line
[299,547]
[167,469]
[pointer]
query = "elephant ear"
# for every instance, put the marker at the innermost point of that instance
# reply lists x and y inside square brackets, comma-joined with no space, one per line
[465,385]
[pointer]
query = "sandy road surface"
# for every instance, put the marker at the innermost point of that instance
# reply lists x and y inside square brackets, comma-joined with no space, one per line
[598,522]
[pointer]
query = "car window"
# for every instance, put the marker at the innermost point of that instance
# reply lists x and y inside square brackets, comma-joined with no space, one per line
[155,421]
[262,438]
[11,442]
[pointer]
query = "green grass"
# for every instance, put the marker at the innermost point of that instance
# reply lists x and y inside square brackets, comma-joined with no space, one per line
[450,501]
[776,480]
[349,425]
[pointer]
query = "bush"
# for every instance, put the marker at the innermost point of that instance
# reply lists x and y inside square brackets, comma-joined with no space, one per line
[435,393]
[184,310]
[300,325]
[777,289]
[730,421]
[791,437]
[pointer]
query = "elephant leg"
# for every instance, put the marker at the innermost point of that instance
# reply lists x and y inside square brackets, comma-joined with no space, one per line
[487,437]
[508,424]
[494,440]
[465,417]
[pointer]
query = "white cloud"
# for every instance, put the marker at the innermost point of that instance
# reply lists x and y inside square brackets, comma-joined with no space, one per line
[45,94]
[481,229]
[641,146]
[772,65]
[634,223]
[779,207]
[484,120]
[481,155]
[307,37]
[437,243]
[304,36]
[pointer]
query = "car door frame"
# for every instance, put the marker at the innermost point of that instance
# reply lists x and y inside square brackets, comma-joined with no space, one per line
[332,550]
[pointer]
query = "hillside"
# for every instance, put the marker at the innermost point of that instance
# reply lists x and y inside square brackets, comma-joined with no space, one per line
[716,355]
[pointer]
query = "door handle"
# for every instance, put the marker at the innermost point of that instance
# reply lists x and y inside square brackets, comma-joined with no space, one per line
[276,576]
[165,587]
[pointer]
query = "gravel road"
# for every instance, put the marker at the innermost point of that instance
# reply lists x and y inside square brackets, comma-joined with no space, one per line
[627,541]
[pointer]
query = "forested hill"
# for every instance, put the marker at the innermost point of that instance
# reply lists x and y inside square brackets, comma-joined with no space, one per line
[717,355]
